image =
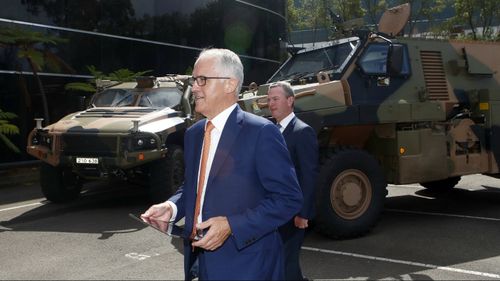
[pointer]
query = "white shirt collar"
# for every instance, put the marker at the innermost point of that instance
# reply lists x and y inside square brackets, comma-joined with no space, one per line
[286,121]
[220,120]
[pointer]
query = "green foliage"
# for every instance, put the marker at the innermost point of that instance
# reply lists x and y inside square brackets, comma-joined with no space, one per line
[8,129]
[478,14]
[94,72]
[28,43]
[32,47]
[314,14]
[125,75]
[422,10]
[120,75]
[80,86]
[374,9]
[7,115]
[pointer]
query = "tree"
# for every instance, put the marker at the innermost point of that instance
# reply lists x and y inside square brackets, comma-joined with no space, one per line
[32,47]
[349,9]
[316,14]
[422,10]
[8,129]
[478,14]
[120,75]
[374,9]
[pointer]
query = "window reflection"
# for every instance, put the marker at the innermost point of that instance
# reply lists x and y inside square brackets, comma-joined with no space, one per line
[156,98]
[332,58]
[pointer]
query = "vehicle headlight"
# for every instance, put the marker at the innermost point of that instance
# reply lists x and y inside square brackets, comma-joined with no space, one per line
[41,138]
[142,142]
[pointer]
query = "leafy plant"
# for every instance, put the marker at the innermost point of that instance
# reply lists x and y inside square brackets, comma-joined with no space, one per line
[7,129]
[31,46]
[120,75]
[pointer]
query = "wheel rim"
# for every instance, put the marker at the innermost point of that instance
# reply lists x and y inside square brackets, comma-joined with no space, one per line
[350,194]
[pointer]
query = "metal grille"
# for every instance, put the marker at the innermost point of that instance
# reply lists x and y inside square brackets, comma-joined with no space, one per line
[89,145]
[434,76]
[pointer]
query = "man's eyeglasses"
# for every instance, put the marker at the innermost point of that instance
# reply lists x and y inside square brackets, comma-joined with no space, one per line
[202,80]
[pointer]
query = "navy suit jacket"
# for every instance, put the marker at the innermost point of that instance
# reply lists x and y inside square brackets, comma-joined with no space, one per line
[303,147]
[253,183]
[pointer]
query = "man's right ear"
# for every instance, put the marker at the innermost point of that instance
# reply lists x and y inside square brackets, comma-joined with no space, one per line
[230,85]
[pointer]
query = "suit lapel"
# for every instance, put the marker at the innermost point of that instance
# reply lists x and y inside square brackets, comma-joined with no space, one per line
[198,145]
[226,142]
[289,128]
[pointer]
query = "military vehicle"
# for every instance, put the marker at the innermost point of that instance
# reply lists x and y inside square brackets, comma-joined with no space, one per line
[391,109]
[131,130]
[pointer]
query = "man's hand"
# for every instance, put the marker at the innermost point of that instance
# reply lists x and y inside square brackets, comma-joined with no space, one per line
[300,222]
[162,211]
[218,231]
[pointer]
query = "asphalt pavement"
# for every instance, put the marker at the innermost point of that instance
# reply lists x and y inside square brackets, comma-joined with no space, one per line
[421,236]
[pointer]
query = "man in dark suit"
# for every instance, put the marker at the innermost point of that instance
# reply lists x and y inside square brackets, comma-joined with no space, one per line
[240,184]
[303,147]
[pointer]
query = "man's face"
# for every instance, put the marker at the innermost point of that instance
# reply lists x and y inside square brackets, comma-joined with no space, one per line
[279,105]
[214,96]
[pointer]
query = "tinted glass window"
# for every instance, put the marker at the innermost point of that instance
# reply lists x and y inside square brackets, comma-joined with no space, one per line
[160,98]
[157,98]
[374,60]
[112,97]
[330,58]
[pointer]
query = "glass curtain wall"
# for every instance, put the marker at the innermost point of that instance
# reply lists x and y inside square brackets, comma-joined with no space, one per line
[45,44]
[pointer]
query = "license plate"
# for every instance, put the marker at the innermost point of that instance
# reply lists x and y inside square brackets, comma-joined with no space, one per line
[85,160]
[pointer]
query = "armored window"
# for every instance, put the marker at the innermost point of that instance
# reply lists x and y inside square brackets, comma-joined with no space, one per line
[331,58]
[374,60]
[111,97]
[160,98]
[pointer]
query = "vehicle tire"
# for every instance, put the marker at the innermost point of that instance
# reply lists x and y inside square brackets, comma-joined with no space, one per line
[441,185]
[351,193]
[58,184]
[166,174]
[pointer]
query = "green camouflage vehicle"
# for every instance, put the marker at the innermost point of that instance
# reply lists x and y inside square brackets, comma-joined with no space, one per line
[391,110]
[132,130]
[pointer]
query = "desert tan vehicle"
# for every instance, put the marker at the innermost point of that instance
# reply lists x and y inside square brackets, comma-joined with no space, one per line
[132,130]
[395,110]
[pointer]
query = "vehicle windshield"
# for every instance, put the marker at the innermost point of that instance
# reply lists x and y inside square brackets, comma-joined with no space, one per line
[157,98]
[332,58]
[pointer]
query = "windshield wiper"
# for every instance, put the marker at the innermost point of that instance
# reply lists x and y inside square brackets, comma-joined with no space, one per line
[294,75]
[121,100]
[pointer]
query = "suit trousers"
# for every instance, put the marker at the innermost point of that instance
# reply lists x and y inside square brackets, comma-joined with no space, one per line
[293,238]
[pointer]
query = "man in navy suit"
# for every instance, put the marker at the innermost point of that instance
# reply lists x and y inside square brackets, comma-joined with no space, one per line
[303,147]
[250,187]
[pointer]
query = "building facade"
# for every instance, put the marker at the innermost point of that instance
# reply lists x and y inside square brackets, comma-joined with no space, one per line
[162,36]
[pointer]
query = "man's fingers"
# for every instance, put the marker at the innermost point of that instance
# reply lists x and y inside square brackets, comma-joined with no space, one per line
[218,231]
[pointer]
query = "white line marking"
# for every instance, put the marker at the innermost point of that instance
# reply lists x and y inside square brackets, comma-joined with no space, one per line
[22,206]
[418,264]
[441,214]
[406,185]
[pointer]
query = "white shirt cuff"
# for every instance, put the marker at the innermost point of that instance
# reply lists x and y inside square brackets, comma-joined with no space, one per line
[174,210]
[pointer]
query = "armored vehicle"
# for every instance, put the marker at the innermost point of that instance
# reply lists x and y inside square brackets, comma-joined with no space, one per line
[131,130]
[391,110]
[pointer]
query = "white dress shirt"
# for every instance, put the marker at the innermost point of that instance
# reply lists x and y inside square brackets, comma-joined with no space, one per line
[219,122]
[283,123]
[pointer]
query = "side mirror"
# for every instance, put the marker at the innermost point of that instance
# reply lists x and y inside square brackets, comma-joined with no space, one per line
[395,59]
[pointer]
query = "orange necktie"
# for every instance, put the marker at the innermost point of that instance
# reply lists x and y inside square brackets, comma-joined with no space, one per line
[201,179]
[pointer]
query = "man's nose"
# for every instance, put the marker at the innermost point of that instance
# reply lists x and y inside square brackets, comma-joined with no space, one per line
[195,87]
